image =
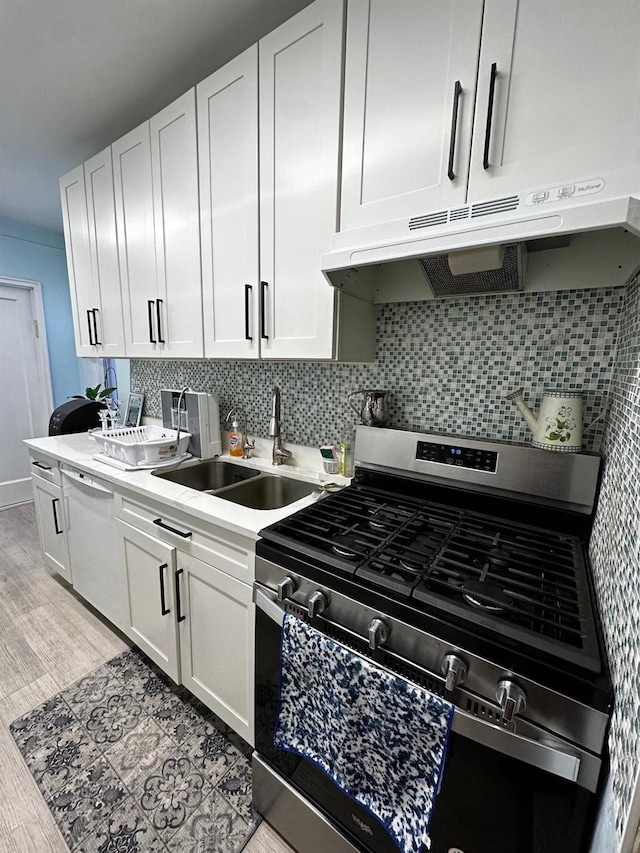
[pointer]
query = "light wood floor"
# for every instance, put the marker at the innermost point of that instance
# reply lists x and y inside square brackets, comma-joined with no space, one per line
[48,639]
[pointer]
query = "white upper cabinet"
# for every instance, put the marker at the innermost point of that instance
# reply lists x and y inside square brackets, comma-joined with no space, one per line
[555,99]
[136,239]
[229,214]
[410,80]
[269,197]
[174,161]
[103,247]
[300,96]
[92,257]
[156,191]
[565,96]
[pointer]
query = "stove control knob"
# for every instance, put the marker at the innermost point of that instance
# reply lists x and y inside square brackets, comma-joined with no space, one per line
[512,699]
[286,588]
[454,670]
[316,603]
[378,633]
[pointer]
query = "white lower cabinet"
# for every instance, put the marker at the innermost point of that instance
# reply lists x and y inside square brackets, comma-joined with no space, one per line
[193,620]
[216,641]
[52,525]
[150,618]
[179,587]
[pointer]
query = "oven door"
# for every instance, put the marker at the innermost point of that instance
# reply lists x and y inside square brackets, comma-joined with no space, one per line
[495,794]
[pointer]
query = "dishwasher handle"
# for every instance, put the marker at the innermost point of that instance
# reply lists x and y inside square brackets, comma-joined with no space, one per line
[85,480]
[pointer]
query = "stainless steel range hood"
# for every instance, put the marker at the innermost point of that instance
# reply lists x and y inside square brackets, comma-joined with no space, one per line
[447,249]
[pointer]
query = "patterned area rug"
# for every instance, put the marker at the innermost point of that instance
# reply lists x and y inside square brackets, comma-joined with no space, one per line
[127,761]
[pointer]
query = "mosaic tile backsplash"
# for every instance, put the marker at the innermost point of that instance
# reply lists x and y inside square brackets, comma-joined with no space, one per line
[615,556]
[448,364]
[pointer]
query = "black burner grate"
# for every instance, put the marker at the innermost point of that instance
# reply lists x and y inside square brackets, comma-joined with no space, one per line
[520,580]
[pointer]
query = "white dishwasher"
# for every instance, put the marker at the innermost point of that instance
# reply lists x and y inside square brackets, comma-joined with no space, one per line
[91,536]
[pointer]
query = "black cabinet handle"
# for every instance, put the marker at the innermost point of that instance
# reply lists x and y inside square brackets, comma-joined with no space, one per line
[42,465]
[487,133]
[161,340]
[184,534]
[247,292]
[263,288]
[163,604]
[457,91]
[91,341]
[179,616]
[55,516]
[95,327]
[150,302]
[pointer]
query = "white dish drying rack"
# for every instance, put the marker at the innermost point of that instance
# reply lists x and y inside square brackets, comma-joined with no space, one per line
[144,445]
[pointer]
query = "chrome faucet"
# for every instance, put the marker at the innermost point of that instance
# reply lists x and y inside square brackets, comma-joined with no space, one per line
[279,454]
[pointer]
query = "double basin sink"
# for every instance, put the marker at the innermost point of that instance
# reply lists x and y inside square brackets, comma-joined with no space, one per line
[245,486]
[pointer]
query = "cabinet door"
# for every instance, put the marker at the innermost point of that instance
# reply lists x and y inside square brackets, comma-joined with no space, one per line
[103,248]
[174,160]
[565,101]
[150,578]
[300,92]
[410,80]
[216,642]
[229,215]
[84,295]
[52,526]
[136,241]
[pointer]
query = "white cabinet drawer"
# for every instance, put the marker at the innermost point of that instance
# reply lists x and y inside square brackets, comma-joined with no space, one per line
[45,467]
[227,551]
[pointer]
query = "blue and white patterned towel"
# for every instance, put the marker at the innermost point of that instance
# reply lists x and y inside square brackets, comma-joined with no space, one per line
[381,739]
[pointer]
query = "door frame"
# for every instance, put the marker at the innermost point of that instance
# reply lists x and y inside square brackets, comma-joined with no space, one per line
[42,348]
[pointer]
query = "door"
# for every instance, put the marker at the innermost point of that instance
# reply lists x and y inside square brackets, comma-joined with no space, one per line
[565,103]
[216,642]
[174,162]
[52,526]
[136,241]
[410,80]
[149,585]
[85,297]
[300,95]
[103,251]
[25,386]
[229,212]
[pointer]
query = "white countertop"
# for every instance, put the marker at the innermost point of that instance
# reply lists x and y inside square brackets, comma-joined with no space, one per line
[78,451]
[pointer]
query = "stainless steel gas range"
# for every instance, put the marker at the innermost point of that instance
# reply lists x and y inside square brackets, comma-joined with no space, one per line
[461,565]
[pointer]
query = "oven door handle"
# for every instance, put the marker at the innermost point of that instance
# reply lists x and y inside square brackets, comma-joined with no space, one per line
[544,756]
[268,605]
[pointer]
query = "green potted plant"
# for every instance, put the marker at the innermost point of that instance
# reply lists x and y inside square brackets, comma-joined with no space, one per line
[94,394]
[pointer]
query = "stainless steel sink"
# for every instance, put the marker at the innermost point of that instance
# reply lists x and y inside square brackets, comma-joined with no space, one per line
[208,476]
[267,492]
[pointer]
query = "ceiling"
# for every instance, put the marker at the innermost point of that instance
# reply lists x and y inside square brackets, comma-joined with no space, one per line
[78,74]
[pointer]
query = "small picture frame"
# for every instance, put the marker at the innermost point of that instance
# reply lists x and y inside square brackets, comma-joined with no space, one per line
[133,412]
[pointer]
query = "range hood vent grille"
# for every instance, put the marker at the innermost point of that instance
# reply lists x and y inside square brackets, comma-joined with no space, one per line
[496,205]
[457,214]
[509,277]
[438,218]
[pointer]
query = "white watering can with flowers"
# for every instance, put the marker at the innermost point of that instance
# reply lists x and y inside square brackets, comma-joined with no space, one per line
[558,425]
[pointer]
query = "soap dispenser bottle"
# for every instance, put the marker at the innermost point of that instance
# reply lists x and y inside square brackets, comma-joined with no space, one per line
[236,439]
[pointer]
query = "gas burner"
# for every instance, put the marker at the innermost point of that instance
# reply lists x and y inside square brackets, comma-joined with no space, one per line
[385,525]
[412,566]
[349,546]
[387,518]
[485,596]
[499,557]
